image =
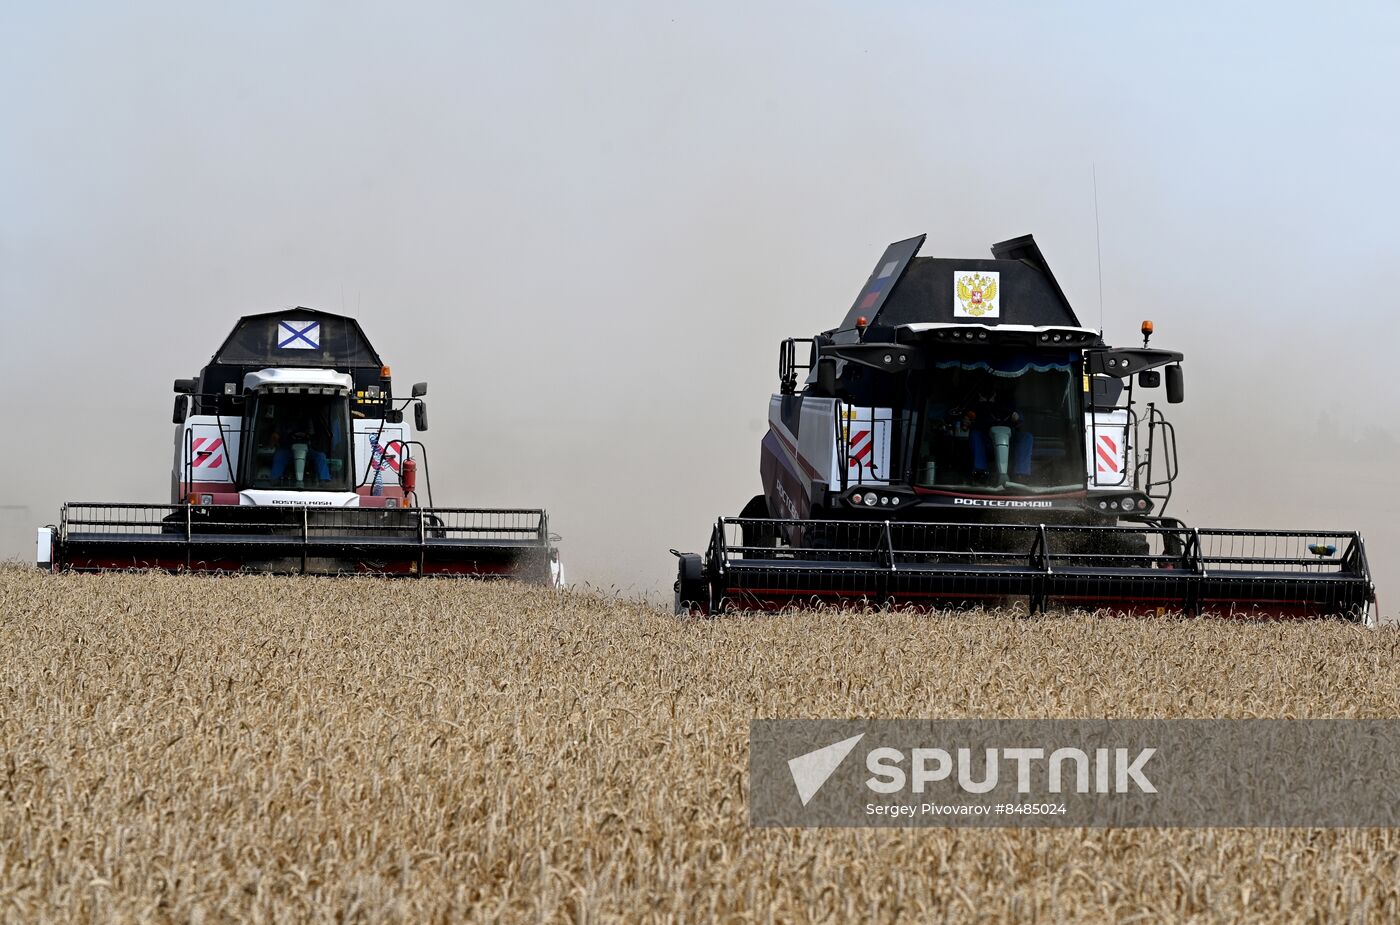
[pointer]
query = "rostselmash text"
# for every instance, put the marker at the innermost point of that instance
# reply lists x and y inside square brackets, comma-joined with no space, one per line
[1001,502]
[1106,770]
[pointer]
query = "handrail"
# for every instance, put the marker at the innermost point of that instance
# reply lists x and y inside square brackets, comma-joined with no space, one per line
[788,365]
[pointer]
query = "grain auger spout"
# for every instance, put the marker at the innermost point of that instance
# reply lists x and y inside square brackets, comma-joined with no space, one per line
[962,439]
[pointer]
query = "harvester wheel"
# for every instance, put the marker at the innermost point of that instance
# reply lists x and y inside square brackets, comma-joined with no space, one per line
[762,537]
[175,522]
[1137,545]
[1114,547]
[692,588]
[757,535]
[434,528]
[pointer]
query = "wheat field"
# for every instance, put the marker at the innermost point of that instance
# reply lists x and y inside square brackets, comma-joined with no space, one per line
[195,749]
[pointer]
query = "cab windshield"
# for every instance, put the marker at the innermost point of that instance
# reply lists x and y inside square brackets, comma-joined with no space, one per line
[299,443]
[1000,421]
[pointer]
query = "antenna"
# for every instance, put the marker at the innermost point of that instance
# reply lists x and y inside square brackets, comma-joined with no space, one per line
[1098,243]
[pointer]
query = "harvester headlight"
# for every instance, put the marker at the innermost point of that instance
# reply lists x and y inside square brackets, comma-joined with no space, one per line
[889,358]
[1056,338]
[870,500]
[894,500]
[1103,505]
[1142,504]
[884,500]
[855,499]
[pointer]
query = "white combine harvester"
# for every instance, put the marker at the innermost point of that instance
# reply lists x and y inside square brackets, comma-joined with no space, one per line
[292,455]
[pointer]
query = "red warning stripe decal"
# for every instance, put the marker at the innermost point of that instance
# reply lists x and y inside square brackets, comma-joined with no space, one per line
[207,456]
[1107,451]
[861,446]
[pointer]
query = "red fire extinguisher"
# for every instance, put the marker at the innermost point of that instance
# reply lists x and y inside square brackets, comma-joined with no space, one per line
[408,478]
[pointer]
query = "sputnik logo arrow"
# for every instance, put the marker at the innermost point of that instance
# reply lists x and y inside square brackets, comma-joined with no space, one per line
[811,771]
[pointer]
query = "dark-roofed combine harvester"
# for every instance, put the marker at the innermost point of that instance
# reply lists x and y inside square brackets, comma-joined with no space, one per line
[962,439]
[292,456]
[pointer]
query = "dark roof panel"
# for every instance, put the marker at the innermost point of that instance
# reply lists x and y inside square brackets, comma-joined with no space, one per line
[905,289]
[297,337]
[926,293]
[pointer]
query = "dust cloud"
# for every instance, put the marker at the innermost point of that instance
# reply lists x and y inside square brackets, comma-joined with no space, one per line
[589,226]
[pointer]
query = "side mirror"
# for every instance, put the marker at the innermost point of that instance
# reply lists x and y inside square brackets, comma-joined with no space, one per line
[1176,386]
[826,376]
[420,389]
[1149,378]
[181,409]
[420,416]
[184,387]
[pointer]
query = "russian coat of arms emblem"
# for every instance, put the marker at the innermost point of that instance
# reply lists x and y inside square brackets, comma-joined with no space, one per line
[975,294]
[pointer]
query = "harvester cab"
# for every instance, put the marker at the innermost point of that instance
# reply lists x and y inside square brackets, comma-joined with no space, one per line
[292,455]
[296,408]
[961,437]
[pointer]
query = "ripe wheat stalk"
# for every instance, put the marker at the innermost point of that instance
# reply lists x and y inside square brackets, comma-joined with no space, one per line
[181,749]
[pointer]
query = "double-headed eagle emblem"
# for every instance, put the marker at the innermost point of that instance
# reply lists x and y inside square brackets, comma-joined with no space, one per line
[977,294]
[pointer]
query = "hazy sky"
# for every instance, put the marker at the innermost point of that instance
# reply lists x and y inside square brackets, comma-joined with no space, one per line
[588,226]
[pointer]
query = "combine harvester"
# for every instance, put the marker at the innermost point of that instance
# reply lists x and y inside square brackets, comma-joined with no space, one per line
[292,456]
[961,439]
